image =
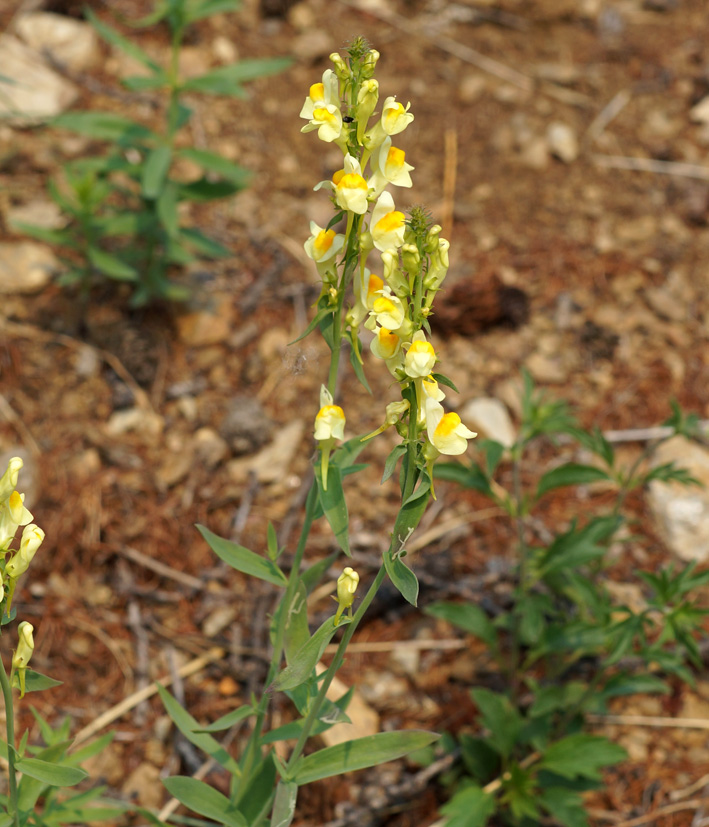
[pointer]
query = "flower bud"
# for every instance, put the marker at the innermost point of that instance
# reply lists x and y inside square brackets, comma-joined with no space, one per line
[347,584]
[395,410]
[431,242]
[411,259]
[393,275]
[367,98]
[341,68]
[438,268]
[23,653]
[369,63]
[32,537]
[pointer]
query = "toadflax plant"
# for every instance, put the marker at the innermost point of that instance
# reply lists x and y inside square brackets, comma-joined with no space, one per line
[35,774]
[379,273]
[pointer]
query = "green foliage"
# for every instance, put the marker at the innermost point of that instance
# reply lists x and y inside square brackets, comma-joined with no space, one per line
[531,757]
[122,208]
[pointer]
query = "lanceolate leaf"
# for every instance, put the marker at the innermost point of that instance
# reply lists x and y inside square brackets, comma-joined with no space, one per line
[49,773]
[227,80]
[205,800]
[402,577]
[284,805]
[466,616]
[334,505]
[570,474]
[155,170]
[301,667]
[217,164]
[242,559]
[128,46]
[111,265]
[104,126]
[230,719]
[361,753]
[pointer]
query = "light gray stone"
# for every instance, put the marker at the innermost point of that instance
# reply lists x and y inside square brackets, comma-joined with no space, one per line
[563,143]
[490,418]
[682,512]
[26,267]
[34,92]
[71,43]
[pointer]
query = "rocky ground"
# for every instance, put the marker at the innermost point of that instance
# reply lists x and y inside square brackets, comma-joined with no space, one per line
[563,144]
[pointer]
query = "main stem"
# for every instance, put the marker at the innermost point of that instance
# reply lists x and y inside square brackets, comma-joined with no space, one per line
[10,730]
[334,666]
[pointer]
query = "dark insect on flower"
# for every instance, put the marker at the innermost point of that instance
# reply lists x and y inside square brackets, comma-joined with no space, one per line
[347,119]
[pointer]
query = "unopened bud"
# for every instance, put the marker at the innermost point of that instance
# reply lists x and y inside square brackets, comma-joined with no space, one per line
[341,69]
[347,584]
[369,63]
[411,259]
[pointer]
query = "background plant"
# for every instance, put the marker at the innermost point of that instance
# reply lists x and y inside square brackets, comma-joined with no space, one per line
[563,646]
[122,207]
[413,259]
[36,773]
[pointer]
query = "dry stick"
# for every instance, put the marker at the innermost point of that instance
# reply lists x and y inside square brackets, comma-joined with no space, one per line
[464,53]
[650,721]
[108,717]
[692,804]
[107,640]
[651,165]
[29,332]
[450,170]
[607,114]
[7,411]
[160,568]
[647,434]
[676,795]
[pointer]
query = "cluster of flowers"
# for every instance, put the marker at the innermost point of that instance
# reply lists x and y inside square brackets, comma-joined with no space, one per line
[13,514]
[413,258]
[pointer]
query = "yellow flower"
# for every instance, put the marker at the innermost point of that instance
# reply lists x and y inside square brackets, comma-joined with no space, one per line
[446,432]
[329,426]
[351,189]
[395,118]
[387,225]
[387,311]
[347,584]
[366,288]
[367,98]
[420,357]
[322,108]
[8,481]
[439,265]
[323,245]
[13,514]
[389,167]
[330,419]
[23,653]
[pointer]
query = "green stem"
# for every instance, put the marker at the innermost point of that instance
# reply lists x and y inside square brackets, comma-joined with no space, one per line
[334,666]
[515,648]
[252,747]
[10,730]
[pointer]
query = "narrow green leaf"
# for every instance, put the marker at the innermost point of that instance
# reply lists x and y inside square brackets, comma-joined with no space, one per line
[284,805]
[205,800]
[189,727]
[466,616]
[301,667]
[242,559]
[104,126]
[445,380]
[203,244]
[259,793]
[166,209]
[230,719]
[297,633]
[155,171]
[111,265]
[390,465]
[57,238]
[37,682]
[361,753]
[471,476]
[205,190]
[227,80]
[334,505]
[111,36]
[319,316]
[571,473]
[141,83]
[213,162]
[402,577]
[48,773]
[208,8]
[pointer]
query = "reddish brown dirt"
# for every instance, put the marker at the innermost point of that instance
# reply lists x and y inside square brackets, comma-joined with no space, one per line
[613,263]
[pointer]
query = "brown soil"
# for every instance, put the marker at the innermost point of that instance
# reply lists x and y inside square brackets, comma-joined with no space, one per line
[605,268]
